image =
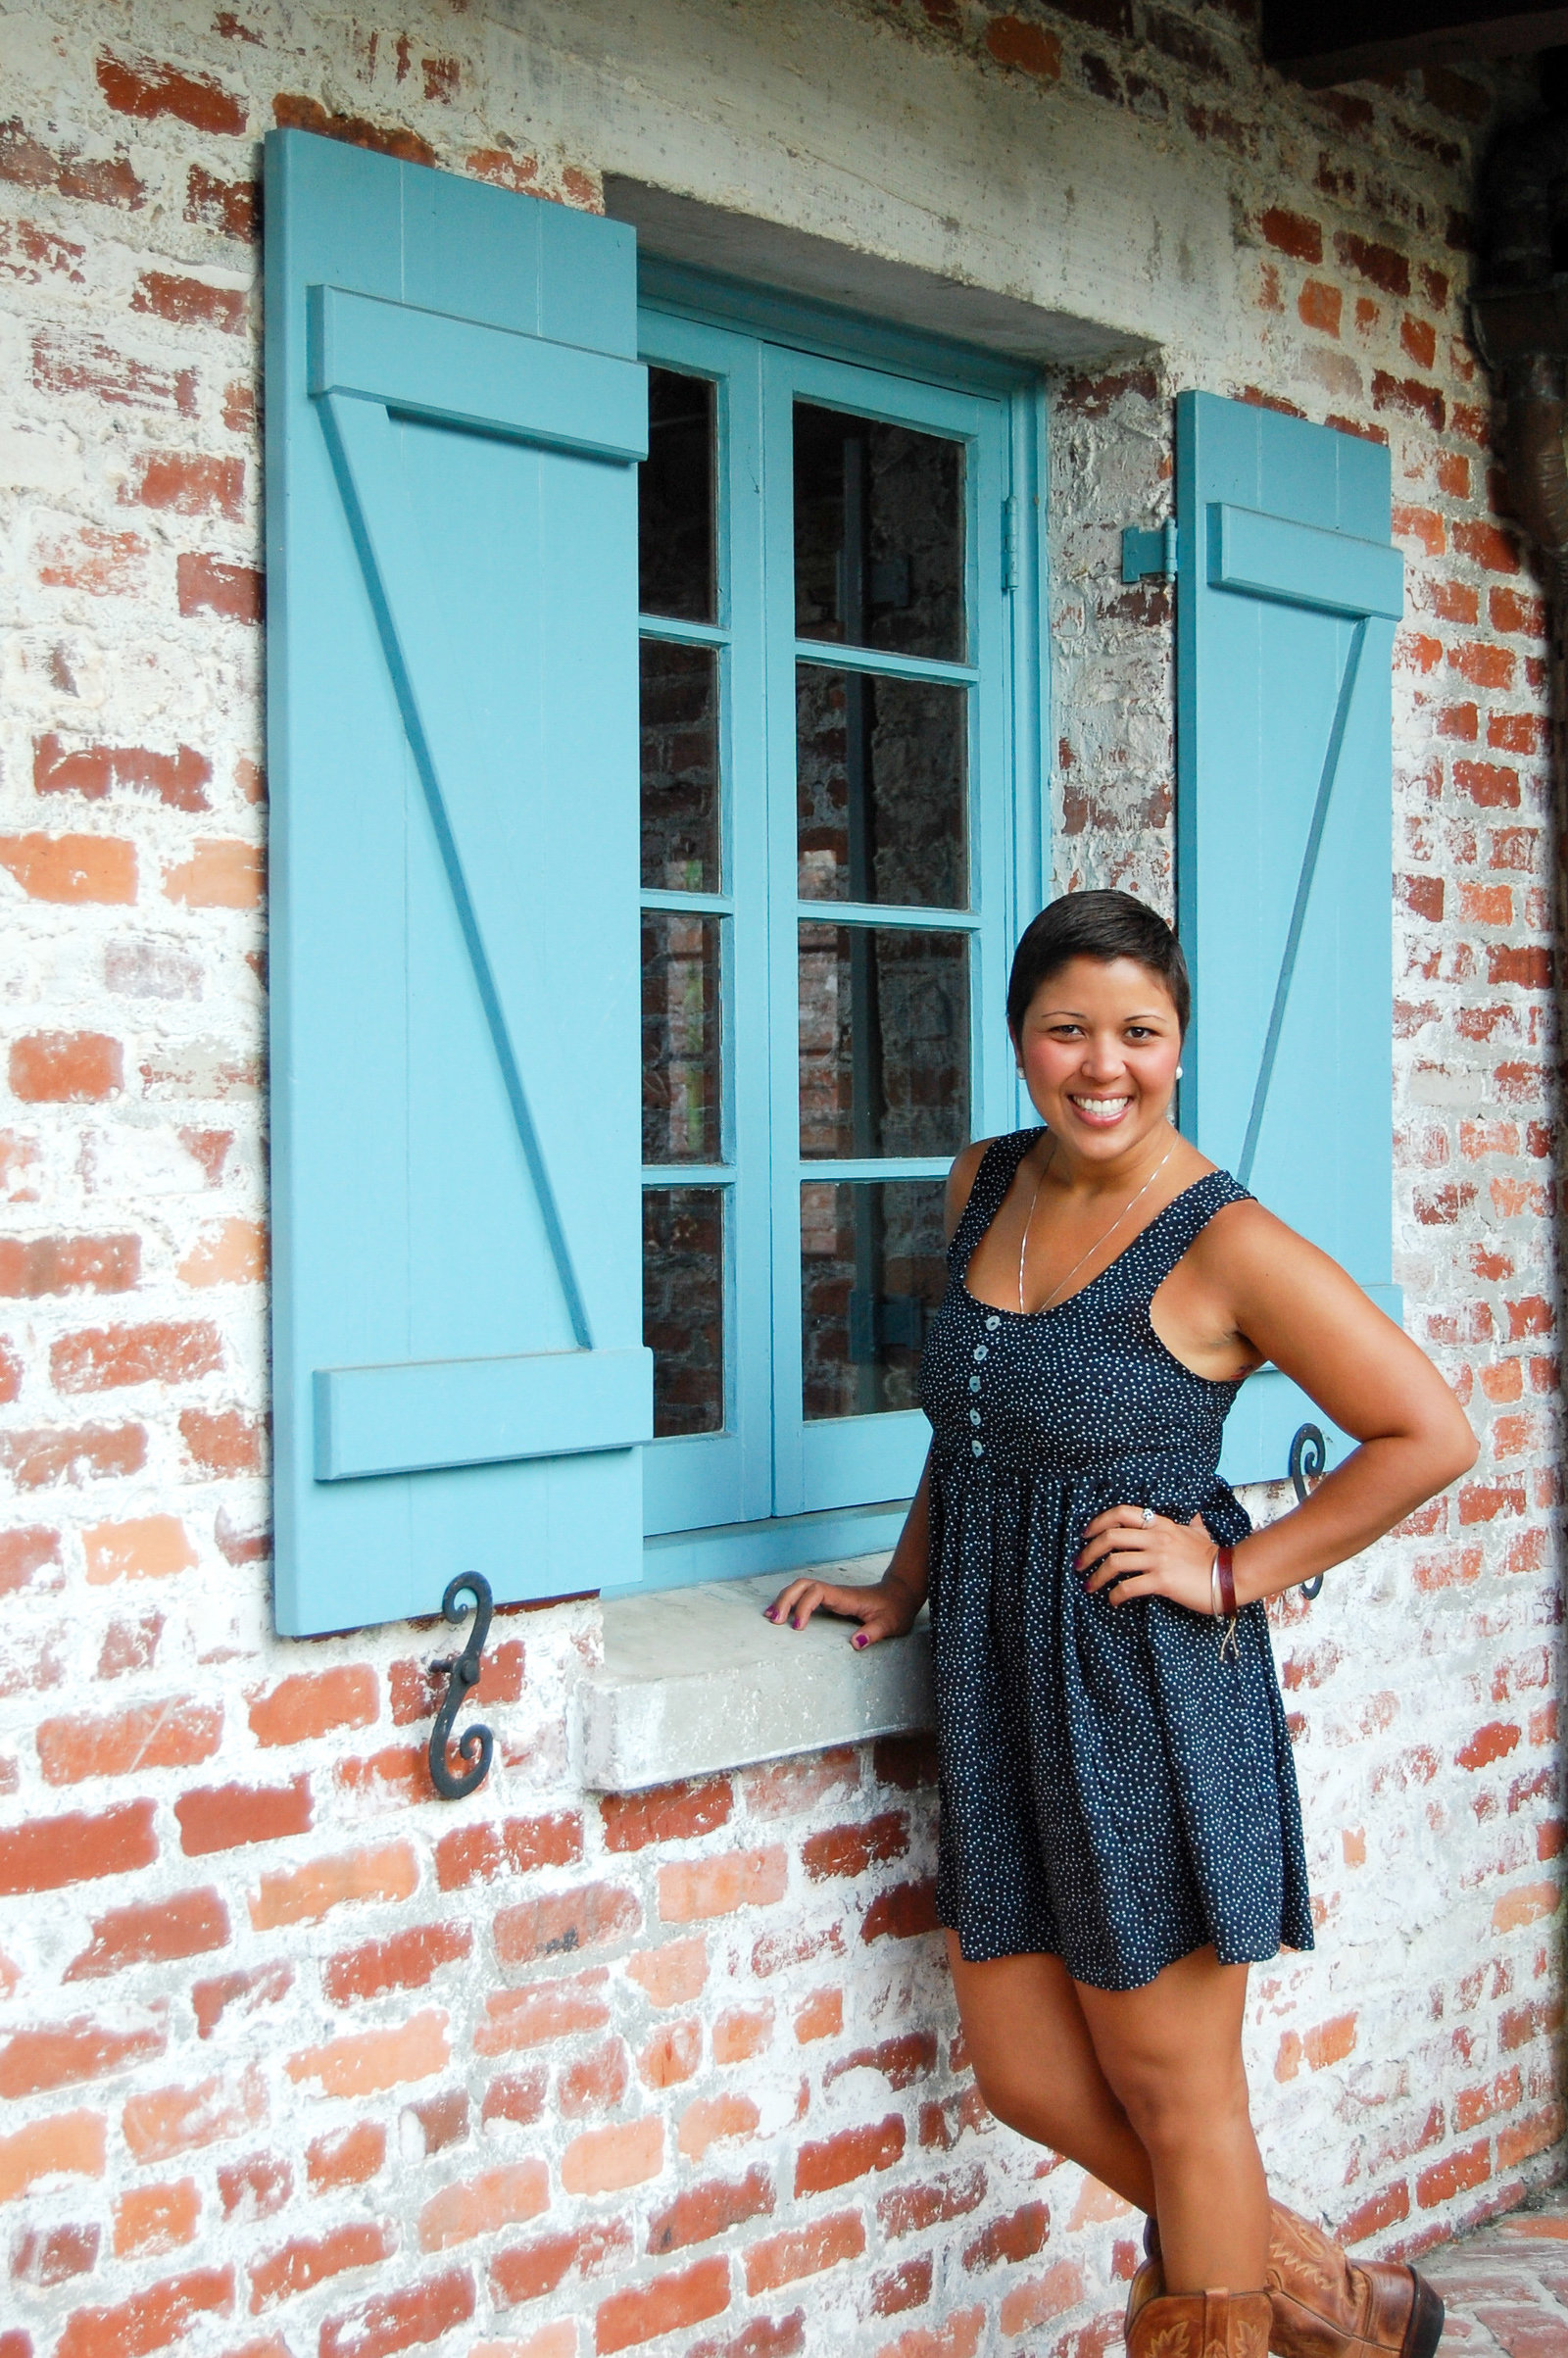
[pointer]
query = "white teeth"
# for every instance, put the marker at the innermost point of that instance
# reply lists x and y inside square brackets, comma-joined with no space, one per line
[1101,1105]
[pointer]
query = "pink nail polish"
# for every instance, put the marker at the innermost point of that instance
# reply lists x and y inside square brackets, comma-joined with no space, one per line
[859,1638]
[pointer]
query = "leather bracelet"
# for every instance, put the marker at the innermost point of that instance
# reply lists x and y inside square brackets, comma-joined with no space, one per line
[1225,1581]
[1215,1607]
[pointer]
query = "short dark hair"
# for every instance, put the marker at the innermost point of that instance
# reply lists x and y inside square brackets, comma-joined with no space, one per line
[1100,925]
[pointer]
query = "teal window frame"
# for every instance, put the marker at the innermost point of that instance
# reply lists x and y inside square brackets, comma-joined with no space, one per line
[774,1490]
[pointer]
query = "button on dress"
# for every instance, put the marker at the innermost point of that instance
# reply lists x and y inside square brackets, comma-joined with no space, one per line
[1113,1789]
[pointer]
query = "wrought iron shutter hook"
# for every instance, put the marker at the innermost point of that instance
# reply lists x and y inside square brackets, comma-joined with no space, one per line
[477,1744]
[1309,1454]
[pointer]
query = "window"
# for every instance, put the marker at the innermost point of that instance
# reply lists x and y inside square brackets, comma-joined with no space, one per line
[831,837]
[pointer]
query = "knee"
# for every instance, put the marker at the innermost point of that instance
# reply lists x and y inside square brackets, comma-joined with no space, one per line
[1170,2115]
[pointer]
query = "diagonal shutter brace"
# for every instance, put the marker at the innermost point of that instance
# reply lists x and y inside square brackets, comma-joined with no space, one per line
[1146,553]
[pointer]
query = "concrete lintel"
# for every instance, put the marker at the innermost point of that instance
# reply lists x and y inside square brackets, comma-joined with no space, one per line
[797,261]
[694,1680]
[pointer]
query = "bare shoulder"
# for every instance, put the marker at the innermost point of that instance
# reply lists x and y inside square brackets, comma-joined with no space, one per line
[1258,1260]
[962,1179]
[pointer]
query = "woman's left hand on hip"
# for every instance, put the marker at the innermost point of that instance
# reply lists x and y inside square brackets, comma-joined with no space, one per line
[1148,1555]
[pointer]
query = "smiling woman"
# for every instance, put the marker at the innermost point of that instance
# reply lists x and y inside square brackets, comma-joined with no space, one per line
[1121,1836]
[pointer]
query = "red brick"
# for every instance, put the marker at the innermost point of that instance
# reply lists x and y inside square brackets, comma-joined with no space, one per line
[151,2320]
[294,112]
[945,2125]
[478,2206]
[901,1912]
[803,2252]
[173,1734]
[895,2289]
[529,2271]
[346,2157]
[147,90]
[851,1849]
[187,1924]
[1382,2211]
[223,1440]
[29,1550]
[700,2212]
[1483,782]
[742,2033]
[222,1817]
[160,2123]
[311,2260]
[1422,896]
[1382,265]
[163,1352]
[1460,721]
[712,2119]
[255,2188]
[366,2062]
[547,2010]
[1017,2235]
[185,484]
[1487,544]
[26,163]
[398,2321]
[264,1986]
[1040,2297]
[699,1889]
[672,2055]
[415,1695]
[1523,733]
[1511,963]
[65,1067]
[478,1853]
[1520,2140]
[209,586]
[640,2313]
[783,1788]
[900,2060]
[593,2082]
[38,1458]
[1293,233]
[68,869]
[305,1894]
[566,1923]
[31,2061]
[667,1813]
[516,2096]
[1460,2173]
[406,1961]
[77,364]
[1410,396]
[230,207]
[1510,610]
[763,2338]
[47,1853]
[1483,665]
[314,1703]
[65,2144]
[1027,48]
[606,2161]
[189,302]
[821,2016]
[33,1266]
[1318,306]
[49,2256]
[848,2154]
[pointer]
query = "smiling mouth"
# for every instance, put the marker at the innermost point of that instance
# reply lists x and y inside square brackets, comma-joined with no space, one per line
[1102,1111]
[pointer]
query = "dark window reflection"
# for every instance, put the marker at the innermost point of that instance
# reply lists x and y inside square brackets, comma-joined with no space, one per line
[884,1018]
[873,1268]
[881,791]
[680,1038]
[878,535]
[679,768]
[675,499]
[683,1305]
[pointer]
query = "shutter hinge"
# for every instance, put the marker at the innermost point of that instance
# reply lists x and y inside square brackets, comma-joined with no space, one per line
[1009,543]
[1145,553]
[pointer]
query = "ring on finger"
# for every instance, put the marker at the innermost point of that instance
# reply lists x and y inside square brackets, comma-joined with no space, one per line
[1148,1516]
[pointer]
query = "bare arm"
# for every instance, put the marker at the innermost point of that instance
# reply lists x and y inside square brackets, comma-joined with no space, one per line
[1296,1306]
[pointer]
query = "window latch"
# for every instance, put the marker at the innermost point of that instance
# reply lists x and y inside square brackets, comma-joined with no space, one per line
[477,1744]
[1145,553]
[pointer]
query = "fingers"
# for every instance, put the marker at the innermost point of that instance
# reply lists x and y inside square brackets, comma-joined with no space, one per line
[1117,1566]
[796,1603]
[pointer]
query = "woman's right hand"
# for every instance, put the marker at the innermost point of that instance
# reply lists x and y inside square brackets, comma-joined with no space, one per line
[886,1611]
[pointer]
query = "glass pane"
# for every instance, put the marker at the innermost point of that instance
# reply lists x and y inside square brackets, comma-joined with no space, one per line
[878,535]
[680,1038]
[680,767]
[884,1041]
[683,1305]
[873,1265]
[880,789]
[675,499]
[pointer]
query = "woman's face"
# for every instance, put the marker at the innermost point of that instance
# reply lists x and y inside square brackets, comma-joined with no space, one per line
[1099,1050]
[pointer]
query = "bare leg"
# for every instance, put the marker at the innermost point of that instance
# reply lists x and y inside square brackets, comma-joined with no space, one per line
[1172,2053]
[1037,2069]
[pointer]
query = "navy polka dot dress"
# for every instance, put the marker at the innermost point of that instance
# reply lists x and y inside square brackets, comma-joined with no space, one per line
[1112,1791]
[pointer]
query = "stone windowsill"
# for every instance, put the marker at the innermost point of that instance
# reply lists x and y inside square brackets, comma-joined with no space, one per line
[694,1680]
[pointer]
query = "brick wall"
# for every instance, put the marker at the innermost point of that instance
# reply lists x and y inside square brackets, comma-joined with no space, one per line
[297,2062]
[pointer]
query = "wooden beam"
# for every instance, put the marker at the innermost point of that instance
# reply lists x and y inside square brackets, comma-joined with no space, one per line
[1321,42]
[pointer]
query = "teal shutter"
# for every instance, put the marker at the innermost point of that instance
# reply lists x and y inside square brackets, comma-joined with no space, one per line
[1287,593]
[453,413]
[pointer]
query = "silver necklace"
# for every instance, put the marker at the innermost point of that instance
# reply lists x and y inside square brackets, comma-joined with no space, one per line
[1098,1241]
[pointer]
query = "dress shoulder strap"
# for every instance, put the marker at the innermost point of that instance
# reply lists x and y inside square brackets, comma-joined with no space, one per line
[1155,1253]
[999,1166]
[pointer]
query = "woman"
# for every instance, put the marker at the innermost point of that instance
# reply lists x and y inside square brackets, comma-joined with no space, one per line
[1120,1831]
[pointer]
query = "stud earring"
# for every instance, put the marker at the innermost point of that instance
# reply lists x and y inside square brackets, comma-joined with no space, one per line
[1178,1072]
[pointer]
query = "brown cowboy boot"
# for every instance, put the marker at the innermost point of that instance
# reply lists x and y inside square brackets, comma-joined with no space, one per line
[1201,2325]
[1324,2304]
